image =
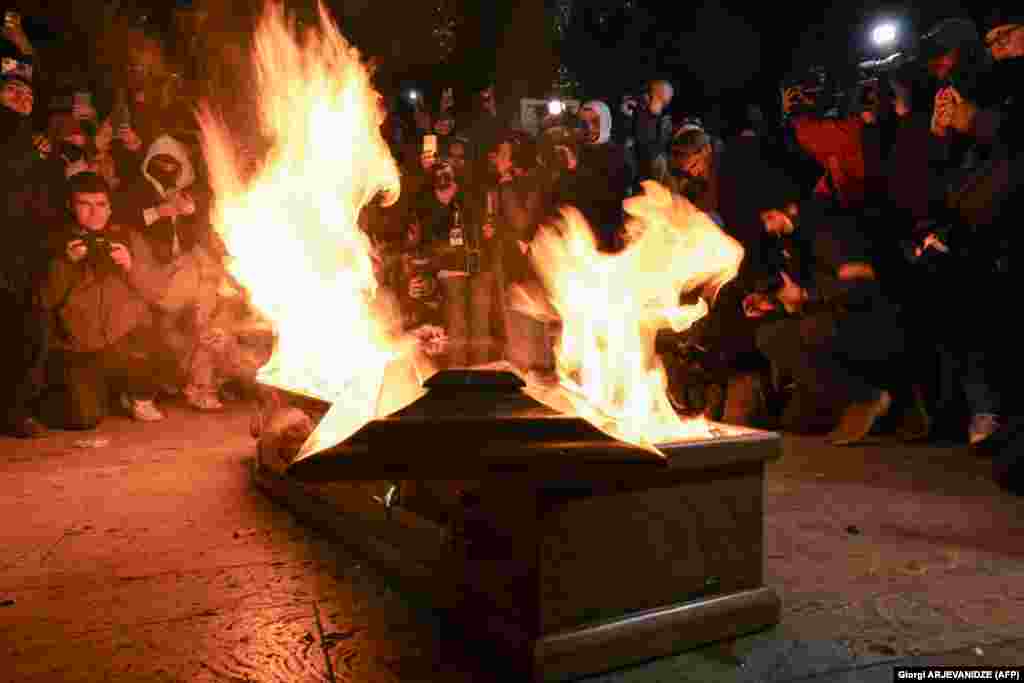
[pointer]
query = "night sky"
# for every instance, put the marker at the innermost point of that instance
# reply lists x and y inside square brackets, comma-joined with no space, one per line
[712,51]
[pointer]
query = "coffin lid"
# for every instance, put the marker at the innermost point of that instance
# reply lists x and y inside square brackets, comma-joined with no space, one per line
[471,424]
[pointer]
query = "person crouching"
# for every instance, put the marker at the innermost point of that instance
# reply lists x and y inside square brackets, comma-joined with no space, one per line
[166,209]
[99,288]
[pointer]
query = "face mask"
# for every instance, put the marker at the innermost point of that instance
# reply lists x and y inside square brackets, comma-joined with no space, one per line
[167,178]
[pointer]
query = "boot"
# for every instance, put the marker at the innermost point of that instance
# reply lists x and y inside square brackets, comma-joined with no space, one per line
[858,419]
[28,428]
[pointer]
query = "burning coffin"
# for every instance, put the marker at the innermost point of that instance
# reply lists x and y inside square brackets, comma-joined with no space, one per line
[571,551]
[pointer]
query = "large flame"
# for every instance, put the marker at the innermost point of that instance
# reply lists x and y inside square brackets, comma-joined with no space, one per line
[291,226]
[612,305]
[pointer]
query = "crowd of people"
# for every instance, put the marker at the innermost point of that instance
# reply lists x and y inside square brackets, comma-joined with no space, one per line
[877,228]
[113,279]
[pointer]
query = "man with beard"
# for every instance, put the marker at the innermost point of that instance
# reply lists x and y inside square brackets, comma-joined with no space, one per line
[454,234]
[23,262]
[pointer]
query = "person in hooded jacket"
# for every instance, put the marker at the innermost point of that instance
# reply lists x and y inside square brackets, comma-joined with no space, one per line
[167,210]
[595,177]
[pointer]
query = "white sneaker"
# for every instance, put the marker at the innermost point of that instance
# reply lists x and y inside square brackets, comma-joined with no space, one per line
[146,411]
[983,425]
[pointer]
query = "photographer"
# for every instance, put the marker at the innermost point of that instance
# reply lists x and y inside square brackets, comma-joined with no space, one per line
[831,317]
[99,292]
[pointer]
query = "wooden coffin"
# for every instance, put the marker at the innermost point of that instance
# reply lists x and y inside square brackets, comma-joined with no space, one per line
[569,563]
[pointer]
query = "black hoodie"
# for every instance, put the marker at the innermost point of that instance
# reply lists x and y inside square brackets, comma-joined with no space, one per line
[24,255]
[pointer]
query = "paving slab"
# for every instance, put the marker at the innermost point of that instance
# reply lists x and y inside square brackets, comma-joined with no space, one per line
[154,559]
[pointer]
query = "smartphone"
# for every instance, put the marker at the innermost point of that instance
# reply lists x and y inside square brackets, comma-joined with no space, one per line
[430,144]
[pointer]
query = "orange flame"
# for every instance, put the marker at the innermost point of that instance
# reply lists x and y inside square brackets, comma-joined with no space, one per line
[612,305]
[292,226]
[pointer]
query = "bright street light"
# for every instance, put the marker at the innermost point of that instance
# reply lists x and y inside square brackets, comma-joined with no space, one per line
[884,34]
[555,107]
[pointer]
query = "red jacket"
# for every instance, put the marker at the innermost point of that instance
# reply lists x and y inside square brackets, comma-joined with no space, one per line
[838,146]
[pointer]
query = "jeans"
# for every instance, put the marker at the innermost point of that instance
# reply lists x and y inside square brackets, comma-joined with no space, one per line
[529,344]
[468,307]
[138,364]
[22,359]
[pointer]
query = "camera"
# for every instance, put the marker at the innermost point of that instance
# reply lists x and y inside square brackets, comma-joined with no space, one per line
[72,153]
[98,247]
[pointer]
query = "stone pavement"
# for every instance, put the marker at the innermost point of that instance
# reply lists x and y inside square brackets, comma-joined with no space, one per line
[153,559]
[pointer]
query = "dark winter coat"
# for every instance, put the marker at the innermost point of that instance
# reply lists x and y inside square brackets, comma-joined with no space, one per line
[135,207]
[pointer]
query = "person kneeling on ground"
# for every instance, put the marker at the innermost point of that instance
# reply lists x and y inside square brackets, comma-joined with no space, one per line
[822,339]
[99,289]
